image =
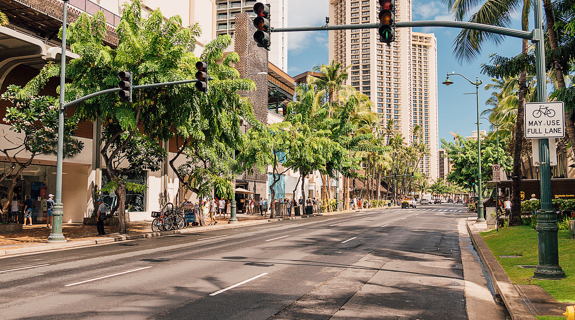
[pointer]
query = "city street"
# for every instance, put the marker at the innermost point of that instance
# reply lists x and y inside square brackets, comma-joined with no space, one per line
[379,264]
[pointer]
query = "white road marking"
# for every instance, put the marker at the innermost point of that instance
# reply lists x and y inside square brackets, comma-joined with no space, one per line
[277,238]
[403,218]
[385,225]
[104,277]
[349,240]
[333,225]
[237,285]
[24,268]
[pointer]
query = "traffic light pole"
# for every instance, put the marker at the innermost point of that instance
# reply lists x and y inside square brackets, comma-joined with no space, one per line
[548,267]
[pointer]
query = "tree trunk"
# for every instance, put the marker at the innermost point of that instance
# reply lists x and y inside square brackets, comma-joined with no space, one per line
[303,192]
[553,43]
[345,193]
[122,216]
[518,146]
[378,183]
[324,197]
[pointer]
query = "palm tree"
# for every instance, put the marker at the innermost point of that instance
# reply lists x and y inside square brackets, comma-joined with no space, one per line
[468,46]
[332,79]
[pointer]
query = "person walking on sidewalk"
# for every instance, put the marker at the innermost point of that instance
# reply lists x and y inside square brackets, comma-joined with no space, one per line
[222,208]
[14,210]
[100,217]
[49,208]
[28,209]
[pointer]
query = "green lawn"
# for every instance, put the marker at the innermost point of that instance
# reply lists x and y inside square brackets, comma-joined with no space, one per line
[522,240]
[549,318]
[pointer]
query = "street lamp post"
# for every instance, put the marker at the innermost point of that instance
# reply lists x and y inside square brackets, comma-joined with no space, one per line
[58,212]
[477,83]
[496,182]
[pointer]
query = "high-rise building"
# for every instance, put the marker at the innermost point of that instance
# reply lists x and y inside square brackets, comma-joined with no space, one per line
[392,76]
[225,24]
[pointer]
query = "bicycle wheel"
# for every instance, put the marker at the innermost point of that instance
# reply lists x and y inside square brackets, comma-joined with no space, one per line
[156,225]
[550,113]
[537,113]
[180,222]
[168,223]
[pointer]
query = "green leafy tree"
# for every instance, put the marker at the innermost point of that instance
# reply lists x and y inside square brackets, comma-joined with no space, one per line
[155,51]
[463,155]
[35,121]
[3,19]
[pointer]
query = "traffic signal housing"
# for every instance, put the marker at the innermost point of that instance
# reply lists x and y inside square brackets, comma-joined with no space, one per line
[125,85]
[386,29]
[262,23]
[202,76]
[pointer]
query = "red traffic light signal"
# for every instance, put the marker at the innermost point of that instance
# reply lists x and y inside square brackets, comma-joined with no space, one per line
[262,23]
[202,76]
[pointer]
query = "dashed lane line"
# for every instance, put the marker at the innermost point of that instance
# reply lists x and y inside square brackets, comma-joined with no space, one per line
[237,285]
[105,277]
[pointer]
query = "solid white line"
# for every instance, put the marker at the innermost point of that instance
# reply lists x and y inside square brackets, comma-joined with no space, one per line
[104,277]
[23,268]
[336,224]
[385,225]
[237,285]
[223,236]
[277,238]
[349,239]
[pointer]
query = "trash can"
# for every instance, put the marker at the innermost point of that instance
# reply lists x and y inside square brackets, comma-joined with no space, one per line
[389,204]
[297,210]
[309,210]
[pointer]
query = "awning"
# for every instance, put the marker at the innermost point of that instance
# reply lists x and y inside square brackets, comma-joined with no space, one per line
[243,191]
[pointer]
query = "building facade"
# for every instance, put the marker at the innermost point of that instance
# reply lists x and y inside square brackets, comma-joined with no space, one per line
[400,79]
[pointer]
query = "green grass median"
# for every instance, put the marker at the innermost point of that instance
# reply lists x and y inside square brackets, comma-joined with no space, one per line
[522,241]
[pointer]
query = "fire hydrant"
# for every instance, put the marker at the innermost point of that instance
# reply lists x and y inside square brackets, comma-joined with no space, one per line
[570,313]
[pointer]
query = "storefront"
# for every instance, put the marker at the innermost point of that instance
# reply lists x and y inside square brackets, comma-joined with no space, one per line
[36,181]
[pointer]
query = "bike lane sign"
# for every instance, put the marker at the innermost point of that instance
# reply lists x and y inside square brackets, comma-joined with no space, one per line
[544,120]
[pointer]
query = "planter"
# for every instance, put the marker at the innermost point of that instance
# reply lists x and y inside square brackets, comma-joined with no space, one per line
[107,222]
[10,228]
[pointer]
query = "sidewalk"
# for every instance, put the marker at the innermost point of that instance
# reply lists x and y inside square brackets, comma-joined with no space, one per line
[522,301]
[33,238]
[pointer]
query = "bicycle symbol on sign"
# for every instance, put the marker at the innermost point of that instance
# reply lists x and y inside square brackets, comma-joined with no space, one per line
[544,110]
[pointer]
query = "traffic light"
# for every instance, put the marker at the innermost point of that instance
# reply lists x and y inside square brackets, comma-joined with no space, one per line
[125,85]
[386,29]
[262,22]
[412,175]
[202,76]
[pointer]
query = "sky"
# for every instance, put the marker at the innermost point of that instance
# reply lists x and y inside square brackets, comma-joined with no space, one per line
[457,112]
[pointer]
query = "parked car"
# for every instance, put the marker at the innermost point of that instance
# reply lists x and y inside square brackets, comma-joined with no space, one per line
[424,201]
[437,201]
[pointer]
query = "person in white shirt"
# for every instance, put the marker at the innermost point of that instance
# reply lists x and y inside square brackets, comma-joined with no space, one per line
[100,217]
[222,207]
[507,205]
[14,210]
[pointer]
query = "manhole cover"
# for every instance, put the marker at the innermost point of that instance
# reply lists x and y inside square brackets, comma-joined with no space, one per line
[519,256]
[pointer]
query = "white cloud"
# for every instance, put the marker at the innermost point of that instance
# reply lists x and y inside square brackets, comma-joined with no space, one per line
[305,13]
[429,10]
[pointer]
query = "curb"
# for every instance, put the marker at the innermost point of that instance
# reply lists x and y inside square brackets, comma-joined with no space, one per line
[512,299]
[42,247]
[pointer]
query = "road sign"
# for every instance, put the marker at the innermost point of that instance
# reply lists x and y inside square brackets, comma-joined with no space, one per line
[497,173]
[544,120]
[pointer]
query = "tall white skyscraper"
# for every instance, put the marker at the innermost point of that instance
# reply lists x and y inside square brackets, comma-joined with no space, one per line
[392,76]
[226,11]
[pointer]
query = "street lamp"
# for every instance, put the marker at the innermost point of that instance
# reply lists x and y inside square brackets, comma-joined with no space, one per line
[58,212]
[477,83]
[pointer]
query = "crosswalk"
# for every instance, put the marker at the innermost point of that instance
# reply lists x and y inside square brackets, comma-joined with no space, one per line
[437,211]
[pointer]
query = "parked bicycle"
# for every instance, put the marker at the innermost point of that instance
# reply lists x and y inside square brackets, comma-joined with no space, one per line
[169,218]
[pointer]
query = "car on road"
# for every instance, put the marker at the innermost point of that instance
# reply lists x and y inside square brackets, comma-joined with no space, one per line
[408,203]
[424,201]
[437,201]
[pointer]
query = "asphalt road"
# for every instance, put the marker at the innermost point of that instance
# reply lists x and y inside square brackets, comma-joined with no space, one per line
[380,264]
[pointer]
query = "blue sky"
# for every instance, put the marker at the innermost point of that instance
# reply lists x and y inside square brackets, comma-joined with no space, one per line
[457,112]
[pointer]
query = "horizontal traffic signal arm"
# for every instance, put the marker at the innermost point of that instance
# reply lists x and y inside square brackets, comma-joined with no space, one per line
[529,35]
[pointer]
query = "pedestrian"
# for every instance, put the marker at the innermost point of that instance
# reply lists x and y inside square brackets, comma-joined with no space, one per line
[205,210]
[507,204]
[288,205]
[100,217]
[14,208]
[264,206]
[49,208]
[300,201]
[252,205]
[28,209]
[213,211]
[533,198]
[222,207]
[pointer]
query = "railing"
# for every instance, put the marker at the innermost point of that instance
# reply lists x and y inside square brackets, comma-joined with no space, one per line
[91,8]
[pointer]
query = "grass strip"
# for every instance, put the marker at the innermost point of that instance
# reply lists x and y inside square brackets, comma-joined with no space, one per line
[522,241]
